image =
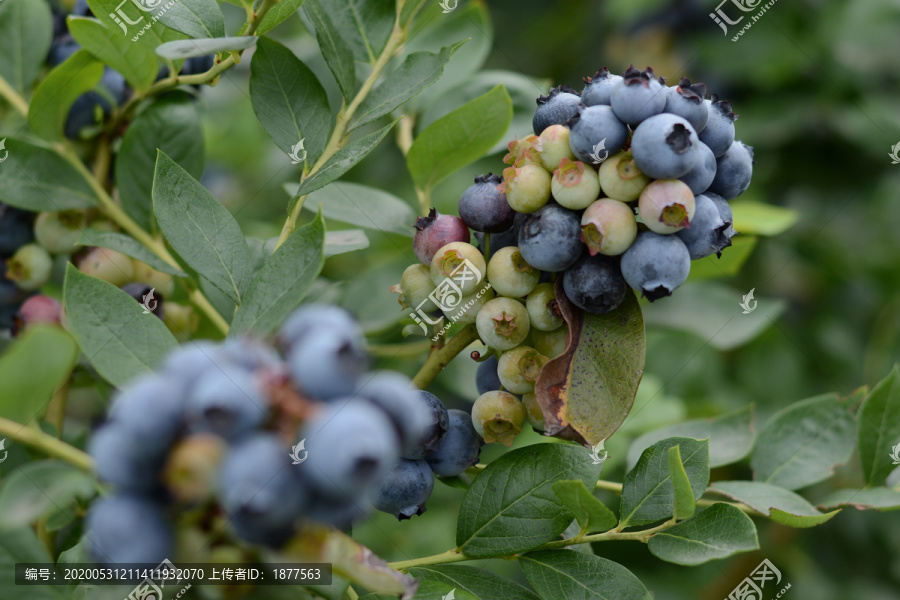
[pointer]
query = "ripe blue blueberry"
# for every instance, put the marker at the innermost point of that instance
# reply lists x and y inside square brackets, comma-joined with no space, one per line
[734,170]
[459,449]
[637,96]
[151,411]
[701,176]
[186,365]
[436,426]
[249,354]
[120,459]
[393,393]
[706,235]
[595,131]
[486,378]
[550,238]
[597,89]
[436,231]
[339,512]
[128,528]
[61,49]
[225,401]
[81,9]
[656,264]
[665,147]
[555,109]
[686,101]
[483,207]
[719,131]
[15,228]
[92,107]
[311,317]
[726,216]
[404,490]
[198,64]
[327,363]
[595,283]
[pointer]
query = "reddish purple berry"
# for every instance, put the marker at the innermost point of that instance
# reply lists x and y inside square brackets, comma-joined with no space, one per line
[436,231]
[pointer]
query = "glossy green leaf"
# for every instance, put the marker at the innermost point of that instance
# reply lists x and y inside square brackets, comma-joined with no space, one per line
[204,47]
[878,498]
[52,100]
[137,63]
[282,282]
[360,205]
[685,505]
[648,494]
[715,532]
[195,18]
[128,246]
[116,335]
[730,263]
[365,25]
[756,218]
[278,14]
[730,437]
[591,514]
[38,489]
[781,505]
[587,391]
[337,54]
[38,179]
[468,582]
[200,229]
[26,32]
[171,124]
[417,72]
[801,444]
[343,160]
[288,100]
[515,489]
[32,368]
[578,576]
[878,430]
[118,16]
[460,138]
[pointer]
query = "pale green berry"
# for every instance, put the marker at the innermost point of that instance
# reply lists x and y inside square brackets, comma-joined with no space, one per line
[502,323]
[608,227]
[510,275]
[58,232]
[527,187]
[29,267]
[550,343]
[519,368]
[666,206]
[542,308]
[415,287]
[553,146]
[449,263]
[621,179]
[574,185]
[533,411]
[181,320]
[498,417]
[161,282]
[470,306]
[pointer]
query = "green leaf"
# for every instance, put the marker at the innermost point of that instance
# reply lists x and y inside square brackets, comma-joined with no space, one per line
[195,18]
[801,444]
[481,584]
[360,205]
[171,124]
[365,25]
[288,99]
[878,429]
[417,72]
[32,368]
[135,62]
[278,14]
[115,334]
[52,100]
[517,489]
[879,498]
[205,46]
[781,505]
[22,545]
[591,514]
[144,31]
[716,532]
[129,246]
[26,32]
[730,437]
[38,179]
[685,505]
[38,489]
[343,160]
[338,56]
[459,139]
[578,576]
[761,219]
[200,229]
[648,494]
[282,282]
[344,241]
[730,263]
[713,312]
[587,391]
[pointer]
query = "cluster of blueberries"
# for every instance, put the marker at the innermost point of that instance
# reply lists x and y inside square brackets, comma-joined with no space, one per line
[207,427]
[92,108]
[622,184]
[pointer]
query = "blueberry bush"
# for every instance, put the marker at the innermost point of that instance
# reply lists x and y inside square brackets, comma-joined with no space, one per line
[210,210]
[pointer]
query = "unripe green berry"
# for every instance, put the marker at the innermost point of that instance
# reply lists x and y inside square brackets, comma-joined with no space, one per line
[161,282]
[574,184]
[108,265]
[550,343]
[498,417]
[466,314]
[621,179]
[522,152]
[608,227]
[553,146]
[502,323]
[449,264]
[58,232]
[527,188]
[542,308]
[519,368]
[510,275]
[415,287]
[29,267]
[181,320]
[667,206]
[533,411]
[193,465]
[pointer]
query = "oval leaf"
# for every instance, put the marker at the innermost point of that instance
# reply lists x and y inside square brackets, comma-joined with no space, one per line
[878,429]
[129,246]
[587,391]
[50,106]
[38,489]
[118,16]
[481,584]
[360,205]
[781,505]
[135,62]
[335,51]
[204,47]
[578,576]
[26,32]
[195,18]
[716,532]
[365,25]
[879,498]
[39,179]
[517,488]
[278,14]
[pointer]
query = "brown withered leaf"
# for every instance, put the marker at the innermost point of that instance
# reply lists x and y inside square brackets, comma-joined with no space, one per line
[587,391]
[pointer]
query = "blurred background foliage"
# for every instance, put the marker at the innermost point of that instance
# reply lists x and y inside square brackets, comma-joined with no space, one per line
[816,86]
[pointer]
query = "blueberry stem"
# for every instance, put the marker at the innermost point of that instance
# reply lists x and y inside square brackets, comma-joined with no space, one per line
[441,357]
[13,97]
[56,410]
[46,443]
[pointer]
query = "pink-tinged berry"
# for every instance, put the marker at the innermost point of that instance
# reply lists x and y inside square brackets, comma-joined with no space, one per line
[436,231]
[608,227]
[498,417]
[667,206]
[553,146]
[621,179]
[527,188]
[574,185]
[108,265]
[37,309]
[522,152]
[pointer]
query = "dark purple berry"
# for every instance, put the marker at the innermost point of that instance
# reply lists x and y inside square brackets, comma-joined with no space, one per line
[595,283]
[436,231]
[483,207]
[556,108]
